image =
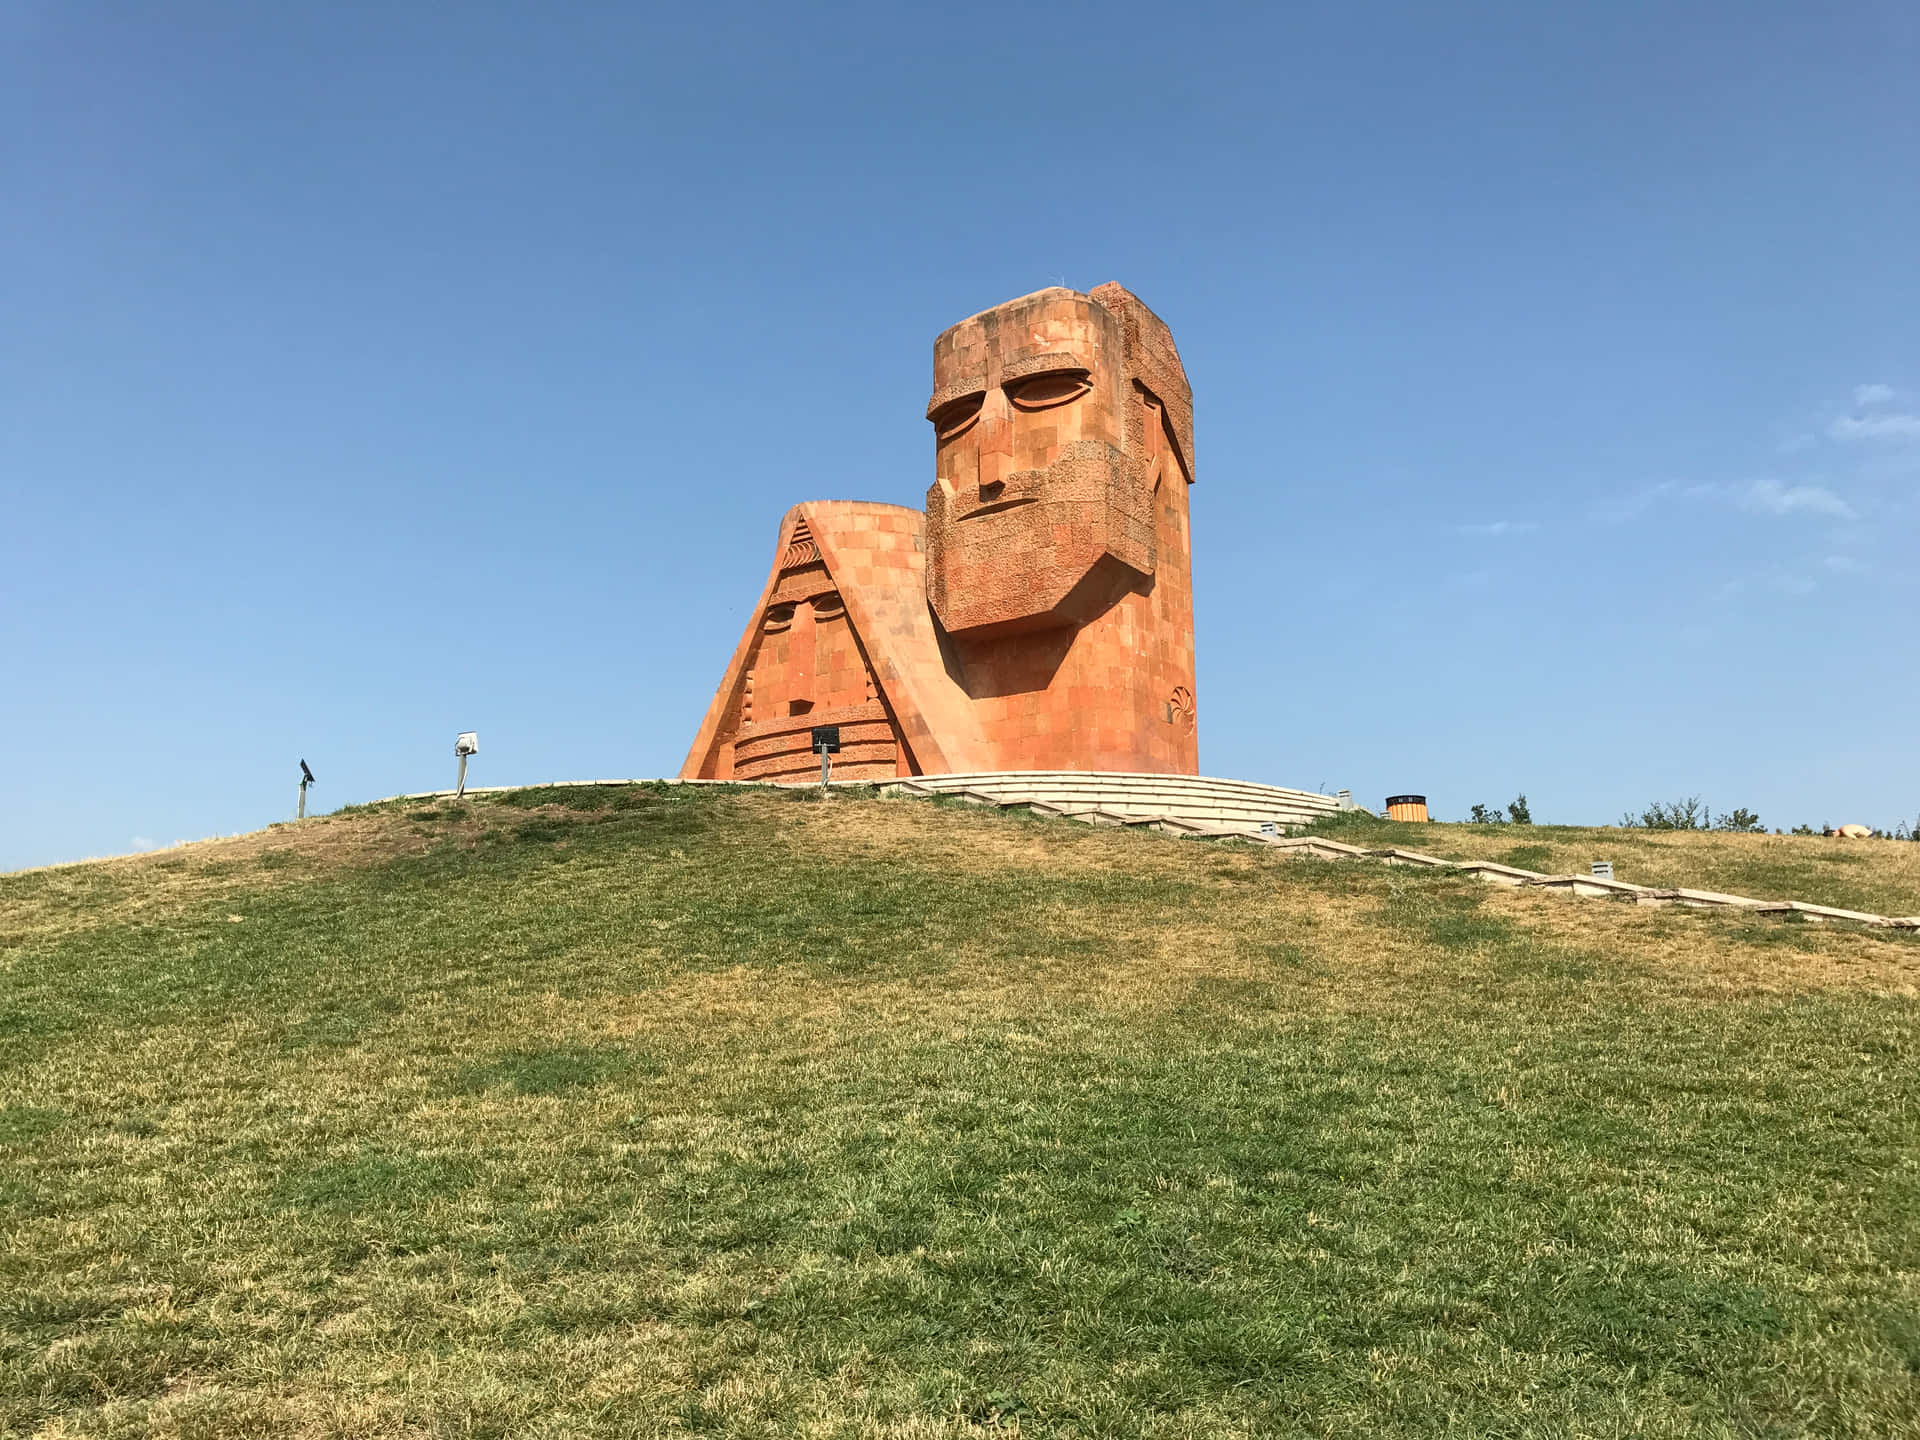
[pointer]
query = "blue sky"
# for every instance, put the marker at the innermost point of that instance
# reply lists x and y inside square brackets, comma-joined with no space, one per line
[373,373]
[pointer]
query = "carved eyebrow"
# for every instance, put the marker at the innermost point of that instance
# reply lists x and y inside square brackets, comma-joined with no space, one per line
[1028,366]
[1048,389]
[955,390]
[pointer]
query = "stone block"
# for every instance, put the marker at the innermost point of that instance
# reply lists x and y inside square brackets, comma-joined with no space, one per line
[1495,874]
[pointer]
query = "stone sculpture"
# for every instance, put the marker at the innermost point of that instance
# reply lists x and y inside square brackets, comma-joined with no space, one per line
[1037,616]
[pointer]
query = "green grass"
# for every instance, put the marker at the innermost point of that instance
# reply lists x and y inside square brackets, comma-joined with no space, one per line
[1881,877]
[670,1111]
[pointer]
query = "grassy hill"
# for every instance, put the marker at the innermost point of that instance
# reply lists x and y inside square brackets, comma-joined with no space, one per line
[672,1111]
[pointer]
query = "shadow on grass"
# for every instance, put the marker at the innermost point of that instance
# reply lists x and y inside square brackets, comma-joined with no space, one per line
[554,1070]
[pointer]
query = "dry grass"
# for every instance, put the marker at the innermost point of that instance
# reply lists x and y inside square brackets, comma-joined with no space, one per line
[1723,951]
[1880,877]
[162,885]
[740,1113]
[159,886]
[1764,954]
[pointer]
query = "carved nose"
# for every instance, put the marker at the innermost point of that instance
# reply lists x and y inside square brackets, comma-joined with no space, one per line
[996,442]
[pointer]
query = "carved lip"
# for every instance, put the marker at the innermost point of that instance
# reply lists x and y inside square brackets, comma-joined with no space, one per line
[993,507]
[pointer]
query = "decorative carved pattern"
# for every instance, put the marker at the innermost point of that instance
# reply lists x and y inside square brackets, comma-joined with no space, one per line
[781,748]
[1180,712]
[800,548]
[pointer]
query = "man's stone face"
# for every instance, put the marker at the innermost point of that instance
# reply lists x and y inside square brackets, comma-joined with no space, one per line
[1033,491]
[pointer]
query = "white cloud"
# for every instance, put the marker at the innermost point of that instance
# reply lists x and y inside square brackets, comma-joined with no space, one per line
[1499,527]
[1618,509]
[141,842]
[1762,497]
[1770,497]
[1865,396]
[1845,565]
[1875,427]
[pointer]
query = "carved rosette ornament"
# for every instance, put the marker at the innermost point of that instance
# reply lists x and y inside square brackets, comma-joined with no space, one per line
[1180,712]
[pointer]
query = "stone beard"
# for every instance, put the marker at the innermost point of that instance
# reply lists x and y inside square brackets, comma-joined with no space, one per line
[1039,616]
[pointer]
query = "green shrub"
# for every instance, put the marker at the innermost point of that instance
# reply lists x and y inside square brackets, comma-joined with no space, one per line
[1688,814]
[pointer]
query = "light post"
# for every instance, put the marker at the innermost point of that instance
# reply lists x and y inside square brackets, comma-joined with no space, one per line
[826,739]
[467,743]
[306,779]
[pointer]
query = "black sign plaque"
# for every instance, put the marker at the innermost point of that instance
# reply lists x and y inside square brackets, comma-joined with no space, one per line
[826,739]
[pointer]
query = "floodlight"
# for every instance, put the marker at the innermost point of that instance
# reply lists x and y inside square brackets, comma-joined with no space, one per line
[306,779]
[465,744]
[306,774]
[826,742]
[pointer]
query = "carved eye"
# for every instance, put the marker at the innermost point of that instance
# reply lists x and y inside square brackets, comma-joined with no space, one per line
[828,605]
[956,417]
[779,617]
[1043,392]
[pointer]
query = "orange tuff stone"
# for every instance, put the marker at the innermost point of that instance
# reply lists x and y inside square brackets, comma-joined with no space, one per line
[1038,616]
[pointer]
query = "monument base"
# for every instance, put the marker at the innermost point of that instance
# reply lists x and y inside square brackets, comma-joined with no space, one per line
[1201,800]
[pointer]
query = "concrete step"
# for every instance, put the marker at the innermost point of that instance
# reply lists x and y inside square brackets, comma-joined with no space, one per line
[1135,797]
[1496,874]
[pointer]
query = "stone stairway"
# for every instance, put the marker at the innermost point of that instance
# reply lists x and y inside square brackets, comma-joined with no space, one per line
[1235,810]
[1195,803]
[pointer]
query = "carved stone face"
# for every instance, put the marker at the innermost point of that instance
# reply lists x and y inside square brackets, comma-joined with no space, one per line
[1041,506]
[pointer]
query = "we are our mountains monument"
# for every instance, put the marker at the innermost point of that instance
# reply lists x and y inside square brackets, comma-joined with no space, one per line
[1037,616]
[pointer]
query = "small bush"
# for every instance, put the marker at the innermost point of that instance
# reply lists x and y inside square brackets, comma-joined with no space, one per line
[1516,813]
[1688,814]
[1741,821]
